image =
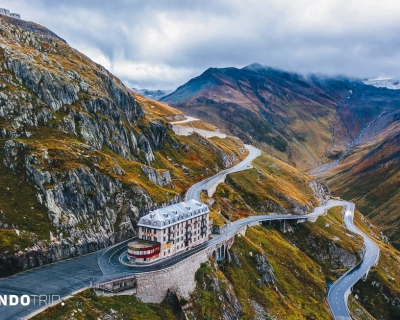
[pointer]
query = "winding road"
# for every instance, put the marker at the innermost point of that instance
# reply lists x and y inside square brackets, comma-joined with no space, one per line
[195,190]
[340,290]
[69,276]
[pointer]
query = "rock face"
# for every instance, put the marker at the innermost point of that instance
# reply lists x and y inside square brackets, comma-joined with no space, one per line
[161,179]
[211,284]
[265,269]
[79,159]
[64,121]
[328,251]
[321,192]
[232,308]
[227,159]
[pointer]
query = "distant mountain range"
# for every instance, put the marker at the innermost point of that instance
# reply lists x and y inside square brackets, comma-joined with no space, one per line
[310,121]
[152,94]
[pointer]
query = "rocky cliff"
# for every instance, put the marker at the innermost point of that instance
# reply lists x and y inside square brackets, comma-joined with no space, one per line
[80,160]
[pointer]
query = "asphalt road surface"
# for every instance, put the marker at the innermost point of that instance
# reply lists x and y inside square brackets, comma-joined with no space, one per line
[57,279]
[340,290]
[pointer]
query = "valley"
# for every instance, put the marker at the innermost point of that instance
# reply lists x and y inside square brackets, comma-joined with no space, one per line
[83,158]
[335,128]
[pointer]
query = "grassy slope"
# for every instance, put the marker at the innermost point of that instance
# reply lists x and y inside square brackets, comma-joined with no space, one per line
[299,292]
[370,176]
[300,286]
[304,148]
[272,179]
[259,190]
[228,206]
[316,238]
[199,125]
[87,306]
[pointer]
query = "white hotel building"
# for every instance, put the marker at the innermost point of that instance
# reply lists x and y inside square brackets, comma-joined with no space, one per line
[170,230]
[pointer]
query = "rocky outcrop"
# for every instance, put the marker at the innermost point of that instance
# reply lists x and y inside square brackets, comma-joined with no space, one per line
[32,27]
[320,191]
[158,133]
[231,308]
[331,253]
[265,270]
[162,178]
[259,311]
[95,105]
[227,160]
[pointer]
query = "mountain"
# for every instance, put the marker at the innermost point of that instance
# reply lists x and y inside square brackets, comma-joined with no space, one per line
[306,121]
[82,156]
[344,130]
[152,94]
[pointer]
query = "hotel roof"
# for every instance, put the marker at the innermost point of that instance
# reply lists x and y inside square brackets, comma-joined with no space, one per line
[173,214]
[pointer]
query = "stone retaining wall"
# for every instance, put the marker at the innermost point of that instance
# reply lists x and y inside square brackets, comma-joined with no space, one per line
[180,278]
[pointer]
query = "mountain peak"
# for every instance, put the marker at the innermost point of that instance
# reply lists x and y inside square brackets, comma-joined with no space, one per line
[255,66]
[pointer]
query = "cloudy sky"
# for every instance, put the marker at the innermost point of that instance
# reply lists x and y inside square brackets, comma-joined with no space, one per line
[161,44]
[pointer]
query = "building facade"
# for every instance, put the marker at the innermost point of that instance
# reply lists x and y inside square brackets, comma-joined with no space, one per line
[170,230]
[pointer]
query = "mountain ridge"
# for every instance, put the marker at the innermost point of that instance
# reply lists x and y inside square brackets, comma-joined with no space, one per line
[282,110]
[307,121]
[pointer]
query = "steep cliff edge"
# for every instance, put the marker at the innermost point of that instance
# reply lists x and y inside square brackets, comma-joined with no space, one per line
[81,157]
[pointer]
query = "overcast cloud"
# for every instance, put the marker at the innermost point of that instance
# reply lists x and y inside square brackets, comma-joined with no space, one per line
[161,44]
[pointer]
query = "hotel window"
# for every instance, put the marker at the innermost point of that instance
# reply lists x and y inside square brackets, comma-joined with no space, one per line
[143,229]
[149,238]
[144,237]
[154,231]
[155,239]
